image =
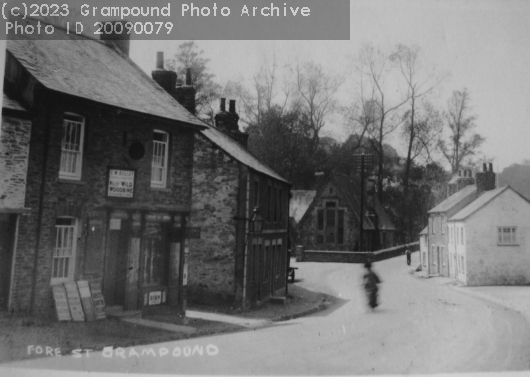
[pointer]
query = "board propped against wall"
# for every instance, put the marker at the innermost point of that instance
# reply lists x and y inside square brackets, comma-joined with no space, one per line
[61,303]
[86,300]
[98,301]
[74,302]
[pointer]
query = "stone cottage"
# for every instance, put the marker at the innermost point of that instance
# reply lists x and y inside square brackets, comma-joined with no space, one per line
[109,175]
[15,132]
[231,262]
[489,239]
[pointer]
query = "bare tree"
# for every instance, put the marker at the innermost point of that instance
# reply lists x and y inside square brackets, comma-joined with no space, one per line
[375,70]
[462,143]
[315,94]
[420,82]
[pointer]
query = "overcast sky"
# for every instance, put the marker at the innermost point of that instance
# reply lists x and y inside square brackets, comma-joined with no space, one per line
[485,45]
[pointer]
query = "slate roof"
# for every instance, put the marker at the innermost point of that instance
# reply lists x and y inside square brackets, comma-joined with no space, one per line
[87,68]
[348,188]
[12,104]
[237,151]
[454,199]
[300,202]
[480,202]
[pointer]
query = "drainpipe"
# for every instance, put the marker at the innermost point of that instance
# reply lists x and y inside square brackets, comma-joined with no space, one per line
[41,207]
[245,258]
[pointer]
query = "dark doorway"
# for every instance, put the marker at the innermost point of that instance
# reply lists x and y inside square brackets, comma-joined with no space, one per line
[8,224]
[116,267]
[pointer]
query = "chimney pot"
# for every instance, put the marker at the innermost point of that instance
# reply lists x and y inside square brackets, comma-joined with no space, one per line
[160,60]
[188,76]
[232,106]
[484,168]
[223,104]
[459,172]
[491,167]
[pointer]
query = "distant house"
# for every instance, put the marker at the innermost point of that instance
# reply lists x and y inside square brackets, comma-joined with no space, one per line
[489,239]
[461,191]
[332,219]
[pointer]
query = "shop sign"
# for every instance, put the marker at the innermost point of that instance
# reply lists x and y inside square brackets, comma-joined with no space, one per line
[121,183]
[155,298]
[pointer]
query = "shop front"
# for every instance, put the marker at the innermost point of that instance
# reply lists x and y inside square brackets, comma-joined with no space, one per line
[143,257]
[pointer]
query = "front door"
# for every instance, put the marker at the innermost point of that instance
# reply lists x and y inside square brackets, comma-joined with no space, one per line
[116,263]
[7,235]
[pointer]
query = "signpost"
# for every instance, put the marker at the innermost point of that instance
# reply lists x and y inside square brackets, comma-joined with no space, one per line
[362,162]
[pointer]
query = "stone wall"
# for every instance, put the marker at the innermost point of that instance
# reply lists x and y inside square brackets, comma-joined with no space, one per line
[356,257]
[214,204]
[14,147]
[108,134]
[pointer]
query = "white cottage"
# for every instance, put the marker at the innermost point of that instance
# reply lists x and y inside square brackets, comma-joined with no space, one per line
[489,240]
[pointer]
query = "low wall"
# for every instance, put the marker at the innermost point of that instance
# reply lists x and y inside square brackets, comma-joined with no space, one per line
[354,256]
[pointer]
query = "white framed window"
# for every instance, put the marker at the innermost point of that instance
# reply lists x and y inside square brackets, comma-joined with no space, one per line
[63,264]
[160,159]
[72,146]
[462,236]
[444,224]
[507,235]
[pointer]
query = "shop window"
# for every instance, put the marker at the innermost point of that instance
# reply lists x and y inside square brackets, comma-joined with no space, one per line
[154,261]
[72,146]
[160,159]
[278,257]
[266,256]
[507,235]
[64,252]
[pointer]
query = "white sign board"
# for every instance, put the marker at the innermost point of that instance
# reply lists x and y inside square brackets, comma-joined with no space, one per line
[155,298]
[121,183]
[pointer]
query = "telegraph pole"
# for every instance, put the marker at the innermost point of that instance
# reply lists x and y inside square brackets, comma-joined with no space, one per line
[362,162]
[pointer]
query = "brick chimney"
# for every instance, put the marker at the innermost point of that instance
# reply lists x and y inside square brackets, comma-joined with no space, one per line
[485,178]
[166,79]
[185,94]
[465,180]
[228,122]
[121,41]
[457,183]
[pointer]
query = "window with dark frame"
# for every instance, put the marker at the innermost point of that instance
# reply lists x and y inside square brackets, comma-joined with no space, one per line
[64,252]
[280,201]
[507,235]
[159,163]
[330,224]
[72,146]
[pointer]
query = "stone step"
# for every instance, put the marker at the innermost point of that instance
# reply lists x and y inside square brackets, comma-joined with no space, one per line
[118,312]
[278,300]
